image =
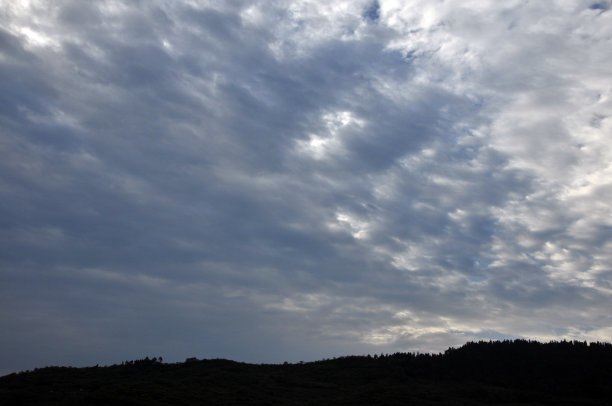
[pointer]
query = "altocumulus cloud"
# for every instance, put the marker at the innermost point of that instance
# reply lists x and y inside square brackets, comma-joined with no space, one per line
[270,181]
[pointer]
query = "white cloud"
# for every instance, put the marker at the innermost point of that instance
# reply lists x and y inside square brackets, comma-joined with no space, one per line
[319,179]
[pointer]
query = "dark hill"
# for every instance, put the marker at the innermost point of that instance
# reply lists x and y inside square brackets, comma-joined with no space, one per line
[485,373]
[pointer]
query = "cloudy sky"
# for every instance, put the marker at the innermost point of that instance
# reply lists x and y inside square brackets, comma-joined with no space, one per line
[293,180]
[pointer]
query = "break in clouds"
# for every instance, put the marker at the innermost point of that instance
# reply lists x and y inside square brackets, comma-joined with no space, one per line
[269,181]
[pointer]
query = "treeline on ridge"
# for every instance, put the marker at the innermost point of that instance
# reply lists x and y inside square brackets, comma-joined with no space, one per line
[484,372]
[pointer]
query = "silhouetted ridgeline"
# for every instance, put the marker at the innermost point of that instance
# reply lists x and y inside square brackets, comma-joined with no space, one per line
[509,372]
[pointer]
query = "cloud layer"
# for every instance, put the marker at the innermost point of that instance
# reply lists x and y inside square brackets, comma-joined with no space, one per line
[270,181]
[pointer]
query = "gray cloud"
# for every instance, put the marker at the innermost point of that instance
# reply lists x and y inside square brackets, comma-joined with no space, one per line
[287,181]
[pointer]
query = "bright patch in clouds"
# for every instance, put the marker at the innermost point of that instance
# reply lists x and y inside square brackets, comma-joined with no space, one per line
[330,142]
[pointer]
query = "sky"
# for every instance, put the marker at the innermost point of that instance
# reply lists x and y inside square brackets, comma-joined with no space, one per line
[271,181]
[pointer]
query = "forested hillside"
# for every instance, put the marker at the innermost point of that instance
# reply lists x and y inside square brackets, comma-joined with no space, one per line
[509,372]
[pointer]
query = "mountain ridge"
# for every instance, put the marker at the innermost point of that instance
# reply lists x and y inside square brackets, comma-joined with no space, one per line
[517,372]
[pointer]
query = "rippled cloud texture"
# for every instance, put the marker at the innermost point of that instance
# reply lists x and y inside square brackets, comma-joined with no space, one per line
[269,181]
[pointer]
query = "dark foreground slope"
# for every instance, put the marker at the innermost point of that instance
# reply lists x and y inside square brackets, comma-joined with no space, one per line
[484,373]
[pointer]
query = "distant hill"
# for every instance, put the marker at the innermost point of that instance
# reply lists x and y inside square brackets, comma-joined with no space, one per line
[515,373]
